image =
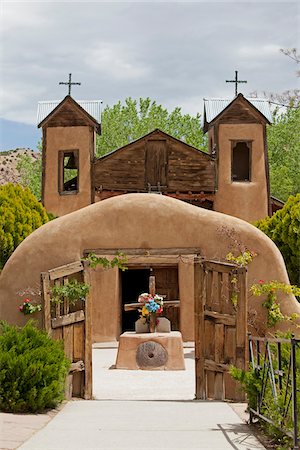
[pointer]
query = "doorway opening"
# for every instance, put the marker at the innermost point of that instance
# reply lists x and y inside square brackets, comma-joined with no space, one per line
[134,282]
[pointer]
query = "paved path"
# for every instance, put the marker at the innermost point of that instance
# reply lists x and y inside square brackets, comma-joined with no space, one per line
[138,410]
[144,425]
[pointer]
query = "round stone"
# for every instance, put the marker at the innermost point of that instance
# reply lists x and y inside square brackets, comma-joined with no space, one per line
[151,354]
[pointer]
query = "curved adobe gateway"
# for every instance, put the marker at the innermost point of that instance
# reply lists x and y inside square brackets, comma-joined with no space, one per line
[147,222]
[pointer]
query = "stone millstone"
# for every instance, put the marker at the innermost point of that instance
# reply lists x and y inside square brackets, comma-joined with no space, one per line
[151,354]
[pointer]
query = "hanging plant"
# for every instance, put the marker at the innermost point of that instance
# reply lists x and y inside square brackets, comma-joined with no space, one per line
[72,291]
[271,289]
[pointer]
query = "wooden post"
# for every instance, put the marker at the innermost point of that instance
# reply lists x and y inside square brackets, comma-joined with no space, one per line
[88,388]
[199,328]
[46,305]
[152,285]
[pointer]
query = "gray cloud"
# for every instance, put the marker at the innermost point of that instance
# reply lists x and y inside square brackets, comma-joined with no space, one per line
[175,53]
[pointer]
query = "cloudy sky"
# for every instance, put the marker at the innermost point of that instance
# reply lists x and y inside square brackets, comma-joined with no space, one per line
[173,52]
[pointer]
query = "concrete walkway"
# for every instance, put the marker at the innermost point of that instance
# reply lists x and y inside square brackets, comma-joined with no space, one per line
[143,410]
[149,425]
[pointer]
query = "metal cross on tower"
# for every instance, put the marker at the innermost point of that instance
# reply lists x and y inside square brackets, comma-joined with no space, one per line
[236,81]
[69,83]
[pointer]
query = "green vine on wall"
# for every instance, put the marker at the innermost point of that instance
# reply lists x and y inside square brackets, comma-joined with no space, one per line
[73,291]
[120,260]
[241,260]
[271,289]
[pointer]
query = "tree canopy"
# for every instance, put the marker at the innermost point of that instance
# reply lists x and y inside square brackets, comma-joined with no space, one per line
[122,124]
[20,215]
[284,154]
[284,229]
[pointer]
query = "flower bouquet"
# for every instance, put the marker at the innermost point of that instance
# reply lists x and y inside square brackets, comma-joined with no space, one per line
[29,308]
[151,306]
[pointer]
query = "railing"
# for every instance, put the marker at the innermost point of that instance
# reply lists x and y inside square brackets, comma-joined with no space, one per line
[276,364]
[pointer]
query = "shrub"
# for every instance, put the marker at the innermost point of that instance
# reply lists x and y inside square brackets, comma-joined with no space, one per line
[20,215]
[33,369]
[284,229]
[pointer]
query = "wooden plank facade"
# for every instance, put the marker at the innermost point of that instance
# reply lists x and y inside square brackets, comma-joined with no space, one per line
[157,163]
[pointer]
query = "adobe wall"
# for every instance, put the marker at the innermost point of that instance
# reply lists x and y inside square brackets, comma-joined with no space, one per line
[138,221]
[247,200]
[67,138]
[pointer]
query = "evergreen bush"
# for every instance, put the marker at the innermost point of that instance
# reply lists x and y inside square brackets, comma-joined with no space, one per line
[33,369]
[20,215]
[284,229]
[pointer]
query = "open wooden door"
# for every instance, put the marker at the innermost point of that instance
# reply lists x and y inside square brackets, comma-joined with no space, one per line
[72,324]
[220,328]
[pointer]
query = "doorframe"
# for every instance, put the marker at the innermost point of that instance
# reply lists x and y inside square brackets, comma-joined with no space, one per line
[159,257]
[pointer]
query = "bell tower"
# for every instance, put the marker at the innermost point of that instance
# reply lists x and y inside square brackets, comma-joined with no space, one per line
[237,140]
[69,141]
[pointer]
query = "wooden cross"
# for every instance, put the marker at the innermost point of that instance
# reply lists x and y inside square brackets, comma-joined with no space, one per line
[236,81]
[69,83]
[131,306]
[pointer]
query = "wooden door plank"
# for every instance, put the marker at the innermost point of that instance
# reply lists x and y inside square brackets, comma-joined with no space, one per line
[68,348]
[219,355]
[209,327]
[78,342]
[199,290]
[46,301]
[88,382]
[229,358]
[241,319]
[65,270]
[74,317]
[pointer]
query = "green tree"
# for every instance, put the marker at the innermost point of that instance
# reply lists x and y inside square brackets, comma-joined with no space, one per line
[31,174]
[284,229]
[284,154]
[20,215]
[122,124]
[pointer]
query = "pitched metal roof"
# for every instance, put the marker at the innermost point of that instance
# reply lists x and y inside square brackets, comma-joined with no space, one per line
[214,106]
[92,107]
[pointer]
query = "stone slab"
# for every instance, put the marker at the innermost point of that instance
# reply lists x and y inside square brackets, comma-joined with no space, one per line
[130,345]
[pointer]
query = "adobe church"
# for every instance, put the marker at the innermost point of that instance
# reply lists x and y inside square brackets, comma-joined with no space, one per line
[232,178]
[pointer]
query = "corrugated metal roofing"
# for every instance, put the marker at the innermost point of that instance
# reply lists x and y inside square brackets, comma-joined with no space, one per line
[214,106]
[92,107]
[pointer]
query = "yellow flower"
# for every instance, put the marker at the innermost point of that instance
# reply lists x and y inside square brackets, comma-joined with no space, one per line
[145,311]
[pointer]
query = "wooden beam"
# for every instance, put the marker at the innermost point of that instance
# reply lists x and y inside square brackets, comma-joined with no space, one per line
[219,266]
[209,364]
[65,270]
[68,319]
[145,251]
[225,319]
[77,367]
[167,304]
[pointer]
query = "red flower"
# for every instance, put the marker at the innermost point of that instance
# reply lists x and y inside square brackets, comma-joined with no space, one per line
[21,308]
[160,310]
[261,281]
[27,300]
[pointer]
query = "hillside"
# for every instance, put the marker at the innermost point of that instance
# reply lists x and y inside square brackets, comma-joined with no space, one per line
[9,161]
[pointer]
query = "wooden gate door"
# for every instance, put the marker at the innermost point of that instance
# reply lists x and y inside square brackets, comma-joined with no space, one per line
[220,328]
[72,324]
